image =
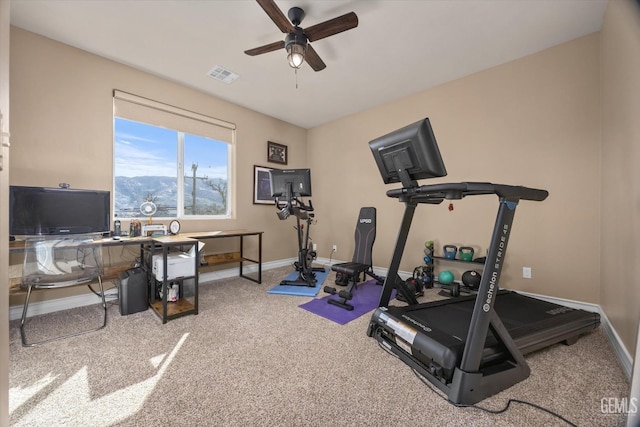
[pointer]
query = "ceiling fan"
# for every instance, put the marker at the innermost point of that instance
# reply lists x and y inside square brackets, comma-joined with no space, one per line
[297,40]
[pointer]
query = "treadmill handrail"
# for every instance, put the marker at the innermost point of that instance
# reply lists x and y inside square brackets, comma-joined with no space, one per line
[457,190]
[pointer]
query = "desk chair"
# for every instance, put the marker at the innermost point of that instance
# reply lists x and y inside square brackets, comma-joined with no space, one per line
[57,262]
[361,263]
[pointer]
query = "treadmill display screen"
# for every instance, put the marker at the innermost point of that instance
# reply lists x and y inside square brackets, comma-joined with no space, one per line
[410,153]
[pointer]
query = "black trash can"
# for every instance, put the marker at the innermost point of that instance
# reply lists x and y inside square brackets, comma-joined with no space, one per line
[133,291]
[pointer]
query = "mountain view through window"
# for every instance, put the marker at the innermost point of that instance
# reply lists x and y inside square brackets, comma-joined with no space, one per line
[184,175]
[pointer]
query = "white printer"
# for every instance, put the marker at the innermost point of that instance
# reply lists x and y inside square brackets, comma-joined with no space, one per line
[179,264]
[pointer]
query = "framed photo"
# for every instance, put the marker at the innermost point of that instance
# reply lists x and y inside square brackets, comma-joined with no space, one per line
[262,186]
[276,153]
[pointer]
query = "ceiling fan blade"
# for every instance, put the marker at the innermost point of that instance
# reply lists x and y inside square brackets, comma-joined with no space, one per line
[276,15]
[313,59]
[266,48]
[331,27]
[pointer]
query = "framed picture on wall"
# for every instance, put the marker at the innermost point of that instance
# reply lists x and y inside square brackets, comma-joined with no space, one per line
[262,186]
[276,153]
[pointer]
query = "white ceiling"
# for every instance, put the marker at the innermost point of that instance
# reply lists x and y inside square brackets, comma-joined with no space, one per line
[400,47]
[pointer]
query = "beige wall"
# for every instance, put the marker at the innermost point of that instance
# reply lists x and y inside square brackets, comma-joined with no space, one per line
[620,229]
[554,120]
[62,130]
[565,120]
[533,122]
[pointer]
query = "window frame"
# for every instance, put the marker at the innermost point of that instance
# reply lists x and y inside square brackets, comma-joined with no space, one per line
[134,108]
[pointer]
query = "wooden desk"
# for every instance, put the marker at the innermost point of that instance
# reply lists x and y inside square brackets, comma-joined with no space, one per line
[213,259]
[230,257]
[112,273]
[17,246]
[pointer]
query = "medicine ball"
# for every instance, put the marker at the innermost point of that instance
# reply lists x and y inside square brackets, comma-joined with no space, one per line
[471,279]
[445,277]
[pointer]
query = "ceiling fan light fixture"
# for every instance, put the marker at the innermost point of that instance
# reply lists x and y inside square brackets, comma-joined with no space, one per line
[296,45]
[296,55]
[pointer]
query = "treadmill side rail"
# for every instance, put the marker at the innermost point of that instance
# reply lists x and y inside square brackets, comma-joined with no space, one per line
[483,312]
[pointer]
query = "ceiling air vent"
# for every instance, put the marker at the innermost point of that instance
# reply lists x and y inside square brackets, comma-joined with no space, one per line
[222,74]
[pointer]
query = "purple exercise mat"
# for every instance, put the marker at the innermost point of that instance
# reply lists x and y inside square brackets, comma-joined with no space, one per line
[365,298]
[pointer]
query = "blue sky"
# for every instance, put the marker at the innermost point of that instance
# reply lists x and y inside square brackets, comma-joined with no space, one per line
[145,150]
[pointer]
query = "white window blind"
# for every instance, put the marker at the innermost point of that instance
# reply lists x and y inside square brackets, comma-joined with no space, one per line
[137,108]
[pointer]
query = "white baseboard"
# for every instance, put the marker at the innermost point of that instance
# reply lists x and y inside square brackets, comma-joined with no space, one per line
[59,304]
[50,306]
[621,352]
[247,269]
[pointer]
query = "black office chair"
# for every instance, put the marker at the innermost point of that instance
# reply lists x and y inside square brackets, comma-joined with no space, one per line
[56,262]
[351,273]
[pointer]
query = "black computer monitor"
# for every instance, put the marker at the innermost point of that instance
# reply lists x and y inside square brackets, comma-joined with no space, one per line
[290,182]
[35,211]
[408,154]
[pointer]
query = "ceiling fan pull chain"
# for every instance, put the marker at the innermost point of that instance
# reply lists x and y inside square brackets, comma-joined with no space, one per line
[296,77]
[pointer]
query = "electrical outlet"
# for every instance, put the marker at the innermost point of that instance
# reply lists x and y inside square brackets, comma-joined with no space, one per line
[335,248]
[315,247]
[526,272]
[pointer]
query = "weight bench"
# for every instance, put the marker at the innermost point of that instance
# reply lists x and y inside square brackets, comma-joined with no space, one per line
[360,266]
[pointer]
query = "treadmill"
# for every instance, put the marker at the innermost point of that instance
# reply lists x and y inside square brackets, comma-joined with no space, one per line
[469,347]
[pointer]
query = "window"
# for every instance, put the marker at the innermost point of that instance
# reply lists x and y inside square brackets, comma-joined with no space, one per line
[179,160]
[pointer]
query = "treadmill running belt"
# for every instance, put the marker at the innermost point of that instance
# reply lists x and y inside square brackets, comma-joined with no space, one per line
[441,327]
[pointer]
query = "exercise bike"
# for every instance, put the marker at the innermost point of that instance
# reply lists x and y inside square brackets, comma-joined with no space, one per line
[306,255]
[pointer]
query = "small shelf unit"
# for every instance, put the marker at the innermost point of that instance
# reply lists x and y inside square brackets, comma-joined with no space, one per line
[159,288]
